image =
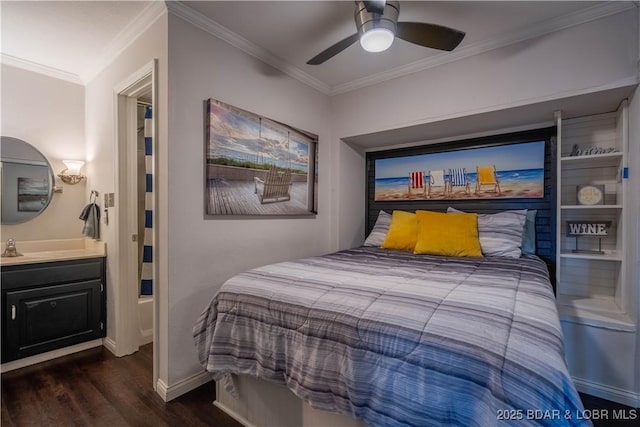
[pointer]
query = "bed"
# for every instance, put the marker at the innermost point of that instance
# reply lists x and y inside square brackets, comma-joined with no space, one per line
[391,338]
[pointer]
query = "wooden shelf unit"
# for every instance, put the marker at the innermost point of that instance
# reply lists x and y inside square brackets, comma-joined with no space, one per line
[591,287]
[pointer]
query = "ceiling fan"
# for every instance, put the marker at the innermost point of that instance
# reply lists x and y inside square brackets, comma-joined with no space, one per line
[377,23]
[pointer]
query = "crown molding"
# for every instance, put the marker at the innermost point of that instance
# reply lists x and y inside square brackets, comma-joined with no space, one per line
[552,25]
[129,34]
[40,69]
[215,29]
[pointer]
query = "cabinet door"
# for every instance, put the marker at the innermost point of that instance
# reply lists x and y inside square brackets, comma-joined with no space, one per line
[47,318]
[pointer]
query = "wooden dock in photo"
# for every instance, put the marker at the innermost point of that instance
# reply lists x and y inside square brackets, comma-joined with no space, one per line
[226,197]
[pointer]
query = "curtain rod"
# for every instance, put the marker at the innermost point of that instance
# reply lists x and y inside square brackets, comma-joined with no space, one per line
[143,103]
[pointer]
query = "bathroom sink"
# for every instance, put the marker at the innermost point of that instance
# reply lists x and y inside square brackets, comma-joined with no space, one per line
[36,251]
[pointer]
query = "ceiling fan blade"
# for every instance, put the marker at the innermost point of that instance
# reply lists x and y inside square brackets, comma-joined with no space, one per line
[333,50]
[429,35]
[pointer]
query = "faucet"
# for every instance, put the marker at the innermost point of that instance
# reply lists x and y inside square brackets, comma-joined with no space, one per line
[10,250]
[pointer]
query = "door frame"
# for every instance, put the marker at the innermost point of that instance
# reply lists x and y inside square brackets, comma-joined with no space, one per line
[141,82]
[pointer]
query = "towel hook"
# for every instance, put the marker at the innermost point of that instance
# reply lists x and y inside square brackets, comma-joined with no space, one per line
[94,196]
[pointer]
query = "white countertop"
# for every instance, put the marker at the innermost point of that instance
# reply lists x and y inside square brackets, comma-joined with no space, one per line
[35,251]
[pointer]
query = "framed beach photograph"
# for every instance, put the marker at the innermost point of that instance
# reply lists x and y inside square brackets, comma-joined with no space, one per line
[493,172]
[256,166]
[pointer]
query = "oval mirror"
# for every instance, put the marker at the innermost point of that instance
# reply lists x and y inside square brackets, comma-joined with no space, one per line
[26,179]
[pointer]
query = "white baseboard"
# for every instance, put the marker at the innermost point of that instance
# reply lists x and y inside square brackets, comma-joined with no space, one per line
[110,345]
[170,392]
[49,355]
[146,337]
[233,414]
[613,394]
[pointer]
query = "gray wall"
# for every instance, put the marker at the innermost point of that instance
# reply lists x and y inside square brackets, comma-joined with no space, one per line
[205,252]
[102,173]
[47,113]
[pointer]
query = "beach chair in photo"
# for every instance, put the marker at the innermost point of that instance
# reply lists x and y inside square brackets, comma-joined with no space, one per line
[437,180]
[416,182]
[274,188]
[486,175]
[458,178]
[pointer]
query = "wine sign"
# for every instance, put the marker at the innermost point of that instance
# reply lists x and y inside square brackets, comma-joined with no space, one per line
[588,228]
[597,229]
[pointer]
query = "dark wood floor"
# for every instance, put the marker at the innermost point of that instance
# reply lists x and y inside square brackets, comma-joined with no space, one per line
[95,388]
[604,413]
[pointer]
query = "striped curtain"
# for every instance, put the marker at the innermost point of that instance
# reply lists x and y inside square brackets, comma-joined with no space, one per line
[146,280]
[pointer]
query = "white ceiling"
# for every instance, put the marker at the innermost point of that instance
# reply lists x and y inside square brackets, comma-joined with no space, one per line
[76,38]
[297,31]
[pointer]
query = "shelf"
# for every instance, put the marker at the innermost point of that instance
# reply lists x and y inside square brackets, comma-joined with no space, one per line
[590,286]
[583,207]
[604,257]
[602,312]
[595,160]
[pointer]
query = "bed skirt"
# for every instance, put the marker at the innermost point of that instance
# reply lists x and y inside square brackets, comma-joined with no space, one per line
[263,403]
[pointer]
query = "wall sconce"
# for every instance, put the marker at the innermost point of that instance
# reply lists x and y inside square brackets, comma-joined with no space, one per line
[72,175]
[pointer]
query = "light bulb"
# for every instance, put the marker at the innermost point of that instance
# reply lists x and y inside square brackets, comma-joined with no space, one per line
[376,39]
[73,166]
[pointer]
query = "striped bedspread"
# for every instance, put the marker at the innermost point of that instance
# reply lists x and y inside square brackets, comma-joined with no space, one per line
[396,339]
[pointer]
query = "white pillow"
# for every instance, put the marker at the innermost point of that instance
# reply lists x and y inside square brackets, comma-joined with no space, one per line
[379,231]
[500,233]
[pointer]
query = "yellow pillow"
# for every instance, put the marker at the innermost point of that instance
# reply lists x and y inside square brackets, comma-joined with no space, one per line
[403,231]
[450,235]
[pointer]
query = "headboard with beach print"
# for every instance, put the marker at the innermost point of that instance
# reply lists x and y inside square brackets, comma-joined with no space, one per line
[483,175]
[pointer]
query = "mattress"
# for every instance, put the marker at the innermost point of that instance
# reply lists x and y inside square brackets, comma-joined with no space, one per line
[397,339]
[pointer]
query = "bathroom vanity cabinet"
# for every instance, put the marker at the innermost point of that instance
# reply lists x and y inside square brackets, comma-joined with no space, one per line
[50,305]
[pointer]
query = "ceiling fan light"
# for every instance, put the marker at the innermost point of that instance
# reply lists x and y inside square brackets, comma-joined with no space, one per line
[376,39]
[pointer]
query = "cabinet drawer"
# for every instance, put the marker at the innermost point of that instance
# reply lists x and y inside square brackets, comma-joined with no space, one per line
[36,275]
[39,320]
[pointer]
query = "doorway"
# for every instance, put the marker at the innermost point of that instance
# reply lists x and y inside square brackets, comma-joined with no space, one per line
[136,304]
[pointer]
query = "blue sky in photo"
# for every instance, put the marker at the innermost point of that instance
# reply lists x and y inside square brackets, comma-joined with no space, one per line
[529,155]
[234,130]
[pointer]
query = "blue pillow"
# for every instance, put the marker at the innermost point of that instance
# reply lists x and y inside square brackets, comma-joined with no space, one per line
[379,231]
[529,234]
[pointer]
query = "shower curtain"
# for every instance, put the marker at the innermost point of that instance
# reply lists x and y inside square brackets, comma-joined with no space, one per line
[146,280]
